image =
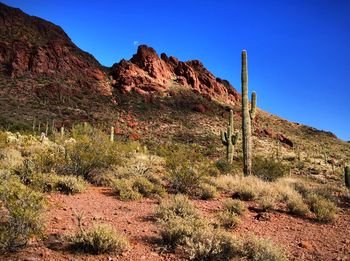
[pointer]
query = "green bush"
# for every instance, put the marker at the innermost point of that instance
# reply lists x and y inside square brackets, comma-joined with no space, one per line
[213,245]
[186,168]
[90,151]
[21,213]
[100,239]
[268,169]
[324,209]
[257,249]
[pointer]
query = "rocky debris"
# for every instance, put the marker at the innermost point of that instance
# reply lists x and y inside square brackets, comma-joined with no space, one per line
[147,73]
[278,136]
[200,108]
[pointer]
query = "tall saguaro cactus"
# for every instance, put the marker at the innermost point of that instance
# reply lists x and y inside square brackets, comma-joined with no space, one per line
[247,117]
[229,139]
[347,176]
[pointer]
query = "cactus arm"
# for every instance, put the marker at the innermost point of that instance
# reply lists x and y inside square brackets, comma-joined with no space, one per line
[223,138]
[253,106]
[235,138]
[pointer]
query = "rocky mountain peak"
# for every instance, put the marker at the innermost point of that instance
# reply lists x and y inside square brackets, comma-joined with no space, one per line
[147,73]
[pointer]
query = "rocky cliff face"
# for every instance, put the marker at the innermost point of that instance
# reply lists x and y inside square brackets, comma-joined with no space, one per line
[147,73]
[34,48]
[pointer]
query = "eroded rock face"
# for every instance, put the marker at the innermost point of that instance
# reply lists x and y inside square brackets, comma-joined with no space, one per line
[32,47]
[146,73]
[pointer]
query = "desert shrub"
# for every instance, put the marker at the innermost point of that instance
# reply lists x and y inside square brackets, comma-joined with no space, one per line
[10,158]
[48,158]
[244,188]
[100,239]
[124,189]
[90,151]
[228,219]
[268,169]
[48,182]
[21,210]
[206,191]
[246,191]
[324,209]
[148,188]
[101,177]
[293,199]
[69,184]
[213,245]
[178,205]
[234,206]
[176,230]
[44,182]
[224,166]
[3,139]
[186,168]
[269,197]
[257,249]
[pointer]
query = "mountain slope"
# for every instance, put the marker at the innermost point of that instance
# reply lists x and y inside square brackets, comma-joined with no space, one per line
[45,76]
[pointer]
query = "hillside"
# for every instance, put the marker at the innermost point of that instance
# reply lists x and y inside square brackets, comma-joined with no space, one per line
[166,116]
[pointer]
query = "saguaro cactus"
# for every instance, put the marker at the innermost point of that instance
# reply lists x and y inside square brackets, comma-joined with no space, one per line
[62,131]
[347,176]
[229,139]
[247,117]
[112,134]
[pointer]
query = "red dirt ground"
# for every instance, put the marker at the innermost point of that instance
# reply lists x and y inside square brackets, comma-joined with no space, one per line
[302,238]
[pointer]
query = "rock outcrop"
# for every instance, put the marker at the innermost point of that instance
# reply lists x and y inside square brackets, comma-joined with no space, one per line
[147,73]
[33,48]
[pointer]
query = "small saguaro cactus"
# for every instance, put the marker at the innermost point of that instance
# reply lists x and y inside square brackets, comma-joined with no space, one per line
[47,129]
[229,139]
[53,129]
[347,176]
[62,131]
[34,125]
[112,134]
[247,117]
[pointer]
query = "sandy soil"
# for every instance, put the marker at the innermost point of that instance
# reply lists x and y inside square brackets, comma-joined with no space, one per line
[302,238]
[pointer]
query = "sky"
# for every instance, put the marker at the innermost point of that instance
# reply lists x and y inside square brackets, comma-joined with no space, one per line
[298,50]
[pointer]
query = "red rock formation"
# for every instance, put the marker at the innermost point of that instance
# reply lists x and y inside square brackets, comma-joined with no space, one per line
[147,73]
[32,47]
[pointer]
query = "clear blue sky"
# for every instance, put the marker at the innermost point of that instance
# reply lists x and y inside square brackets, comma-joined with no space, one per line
[298,50]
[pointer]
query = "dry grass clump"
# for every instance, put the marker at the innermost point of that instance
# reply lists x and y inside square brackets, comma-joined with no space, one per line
[101,238]
[229,216]
[258,249]
[206,191]
[324,209]
[213,245]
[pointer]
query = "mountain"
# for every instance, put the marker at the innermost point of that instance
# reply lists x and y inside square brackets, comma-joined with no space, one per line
[151,97]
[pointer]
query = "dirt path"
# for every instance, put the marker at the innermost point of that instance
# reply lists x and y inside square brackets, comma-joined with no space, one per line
[303,239]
